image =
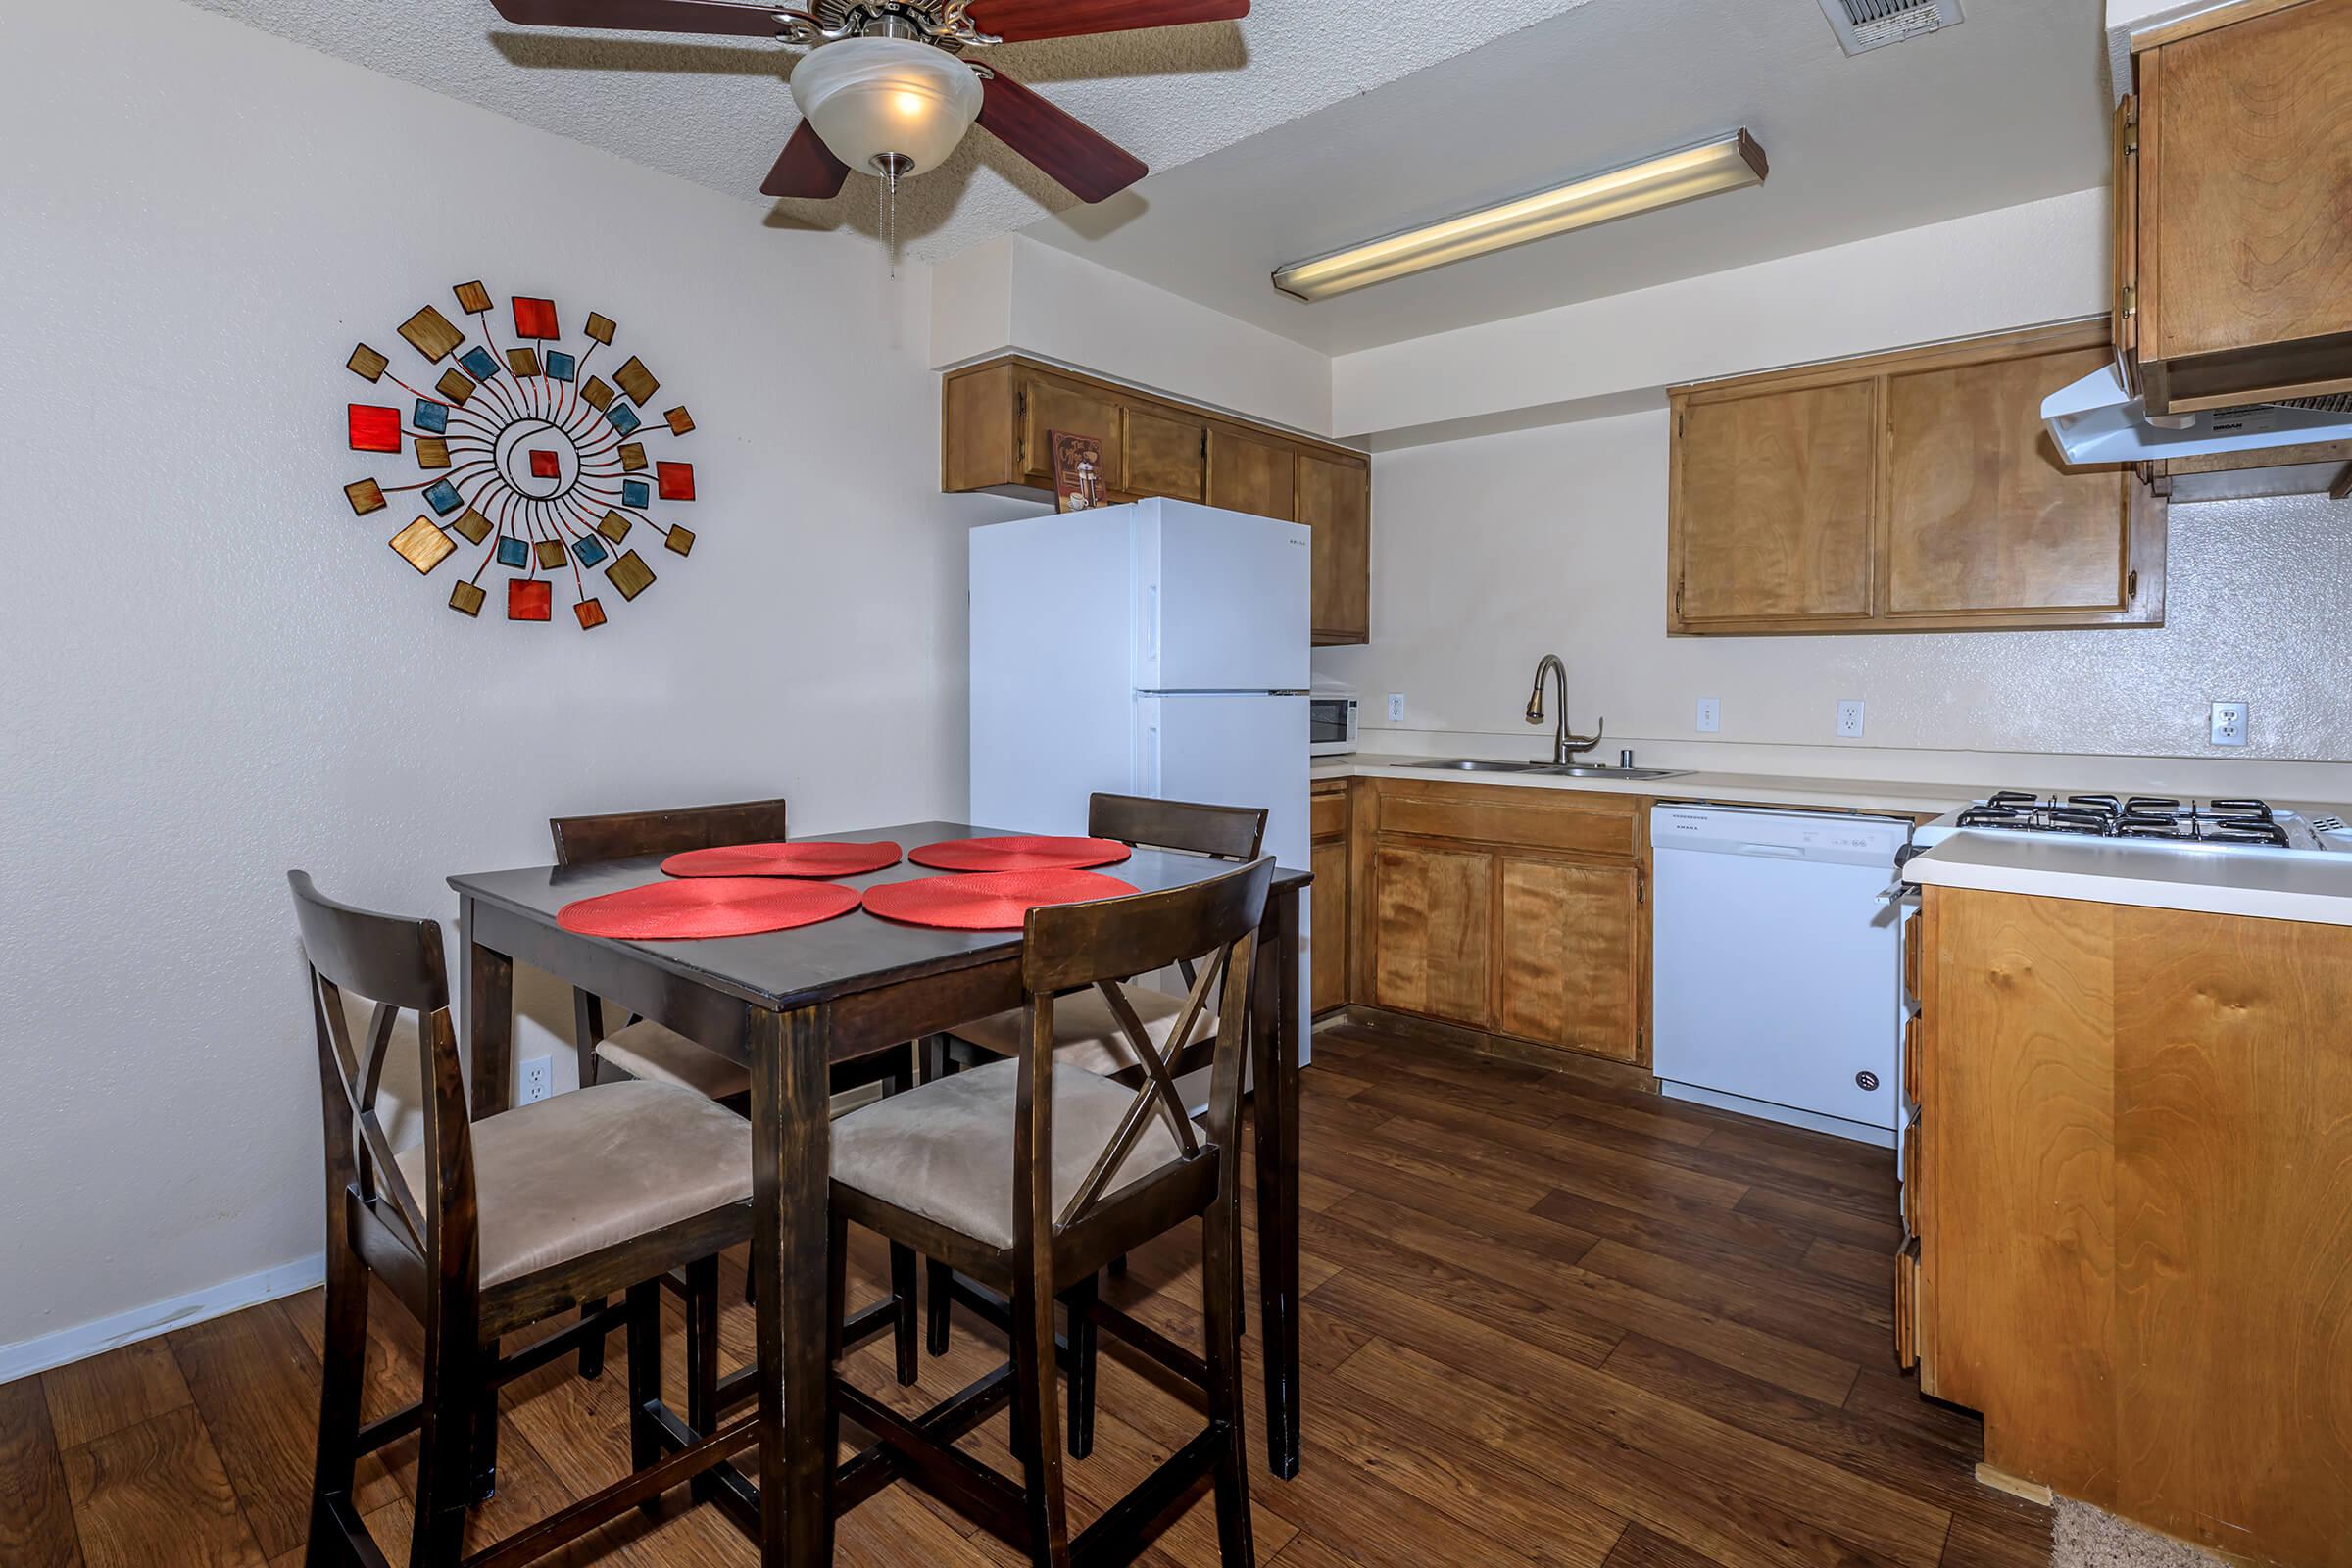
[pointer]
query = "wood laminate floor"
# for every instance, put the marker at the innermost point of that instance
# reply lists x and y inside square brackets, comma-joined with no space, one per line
[1547,1322]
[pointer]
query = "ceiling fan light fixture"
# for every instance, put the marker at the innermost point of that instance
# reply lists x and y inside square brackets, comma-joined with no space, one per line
[887,104]
[1728,162]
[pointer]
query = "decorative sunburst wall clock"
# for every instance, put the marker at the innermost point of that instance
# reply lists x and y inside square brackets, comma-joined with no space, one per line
[525,454]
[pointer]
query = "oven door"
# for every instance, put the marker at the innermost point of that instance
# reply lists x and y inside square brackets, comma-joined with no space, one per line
[1330,726]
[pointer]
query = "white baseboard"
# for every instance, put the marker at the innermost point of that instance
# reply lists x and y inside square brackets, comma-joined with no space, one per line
[84,1340]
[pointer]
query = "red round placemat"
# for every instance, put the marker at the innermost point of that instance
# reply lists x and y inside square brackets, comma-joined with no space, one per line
[1022,853]
[991,901]
[705,907]
[808,858]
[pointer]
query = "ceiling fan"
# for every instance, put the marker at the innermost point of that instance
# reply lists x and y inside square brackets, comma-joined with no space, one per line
[883,87]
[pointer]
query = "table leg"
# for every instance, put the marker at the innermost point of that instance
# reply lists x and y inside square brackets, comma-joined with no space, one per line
[791,1166]
[1275,1041]
[486,999]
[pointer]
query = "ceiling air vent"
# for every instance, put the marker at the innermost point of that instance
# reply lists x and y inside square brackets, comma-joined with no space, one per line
[1875,23]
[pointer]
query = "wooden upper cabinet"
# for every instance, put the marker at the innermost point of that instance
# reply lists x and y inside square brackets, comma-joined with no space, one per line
[1049,406]
[1981,515]
[1773,494]
[1335,498]
[1166,455]
[992,423]
[1570,950]
[2242,187]
[1250,474]
[1912,491]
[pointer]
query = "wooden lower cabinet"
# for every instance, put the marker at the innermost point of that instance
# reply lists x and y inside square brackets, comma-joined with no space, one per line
[1327,972]
[1568,955]
[2133,1199]
[1433,931]
[1517,911]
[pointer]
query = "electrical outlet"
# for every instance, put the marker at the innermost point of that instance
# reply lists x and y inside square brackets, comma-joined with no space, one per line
[1850,719]
[2229,723]
[1710,715]
[1396,708]
[538,1078]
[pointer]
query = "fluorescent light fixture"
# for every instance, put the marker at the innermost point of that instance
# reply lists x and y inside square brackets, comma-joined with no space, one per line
[1728,163]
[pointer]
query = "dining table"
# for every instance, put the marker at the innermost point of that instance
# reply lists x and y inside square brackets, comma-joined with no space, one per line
[789,1005]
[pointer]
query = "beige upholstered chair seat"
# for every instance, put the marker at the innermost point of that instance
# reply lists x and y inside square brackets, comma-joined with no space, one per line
[570,1176]
[944,1150]
[647,1050]
[1085,1034]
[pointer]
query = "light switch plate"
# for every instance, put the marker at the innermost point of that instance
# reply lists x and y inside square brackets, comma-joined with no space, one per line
[1710,715]
[1850,719]
[1396,708]
[2229,723]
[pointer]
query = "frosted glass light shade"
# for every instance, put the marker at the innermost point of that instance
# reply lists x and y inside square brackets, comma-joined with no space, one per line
[871,97]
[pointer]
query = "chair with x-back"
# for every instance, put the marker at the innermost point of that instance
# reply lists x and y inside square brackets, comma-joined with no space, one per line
[486,1228]
[1029,1175]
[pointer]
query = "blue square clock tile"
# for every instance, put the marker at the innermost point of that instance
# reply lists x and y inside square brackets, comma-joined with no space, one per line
[636,494]
[432,417]
[444,498]
[512,552]
[625,419]
[480,362]
[588,550]
[561,366]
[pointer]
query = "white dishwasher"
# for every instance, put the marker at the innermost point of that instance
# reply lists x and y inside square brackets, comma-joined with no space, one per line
[1777,969]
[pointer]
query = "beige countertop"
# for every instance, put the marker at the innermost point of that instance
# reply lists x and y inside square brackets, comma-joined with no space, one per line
[2268,887]
[1752,789]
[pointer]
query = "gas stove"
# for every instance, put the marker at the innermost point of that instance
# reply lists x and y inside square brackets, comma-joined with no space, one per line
[2150,821]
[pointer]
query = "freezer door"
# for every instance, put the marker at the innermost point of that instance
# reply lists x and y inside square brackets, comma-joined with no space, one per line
[1221,600]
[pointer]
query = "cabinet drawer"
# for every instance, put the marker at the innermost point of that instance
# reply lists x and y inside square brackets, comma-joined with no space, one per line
[1912,937]
[1911,1038]
[1912,1160]
[1536,825]
[1327,815]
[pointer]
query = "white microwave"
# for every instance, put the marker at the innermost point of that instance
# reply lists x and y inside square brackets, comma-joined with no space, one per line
[1330,723]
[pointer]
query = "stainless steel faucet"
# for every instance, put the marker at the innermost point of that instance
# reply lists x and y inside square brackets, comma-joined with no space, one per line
[1564,746]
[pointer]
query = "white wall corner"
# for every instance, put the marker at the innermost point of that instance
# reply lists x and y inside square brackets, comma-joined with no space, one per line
[2014,267]
[1020,293]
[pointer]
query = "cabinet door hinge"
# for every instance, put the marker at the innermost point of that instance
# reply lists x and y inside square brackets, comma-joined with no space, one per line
[2132,586]
[2131,127]
[1678,597]
[2129,302]
[1640,887]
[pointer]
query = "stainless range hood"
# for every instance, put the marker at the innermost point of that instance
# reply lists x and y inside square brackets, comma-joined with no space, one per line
[2095,420]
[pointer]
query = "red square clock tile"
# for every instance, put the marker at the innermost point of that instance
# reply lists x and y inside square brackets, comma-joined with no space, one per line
[535,318]
[530,599]
[374,428]
[544,465]
[674,481]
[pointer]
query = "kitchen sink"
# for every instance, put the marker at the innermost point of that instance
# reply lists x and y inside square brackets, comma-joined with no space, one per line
[1478,764]
[1579,770]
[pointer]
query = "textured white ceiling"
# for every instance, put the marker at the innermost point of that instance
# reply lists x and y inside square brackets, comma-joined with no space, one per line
[2008,107]
[717,111]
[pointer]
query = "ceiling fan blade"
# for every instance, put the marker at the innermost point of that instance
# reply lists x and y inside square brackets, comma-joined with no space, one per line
[646,16]
[1020,21]
[1087,163]
[806,168]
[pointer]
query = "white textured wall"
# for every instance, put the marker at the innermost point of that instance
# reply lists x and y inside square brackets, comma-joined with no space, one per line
[1488,552]
[216,672]
[2015,266]
[1017,293]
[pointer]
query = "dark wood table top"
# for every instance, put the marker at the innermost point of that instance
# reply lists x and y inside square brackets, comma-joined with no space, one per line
[785,969]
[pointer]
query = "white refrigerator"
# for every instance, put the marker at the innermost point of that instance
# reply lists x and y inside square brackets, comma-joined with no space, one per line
[1157,649]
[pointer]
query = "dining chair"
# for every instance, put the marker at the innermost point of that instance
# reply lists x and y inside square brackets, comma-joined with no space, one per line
[642,1049]
[1086,1032]
[486,1228]
[1029,1175]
